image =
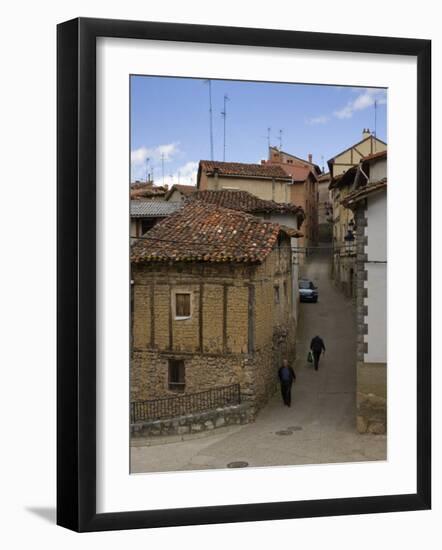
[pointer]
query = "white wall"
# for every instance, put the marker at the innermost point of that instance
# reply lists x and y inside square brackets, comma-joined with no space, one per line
[376,301]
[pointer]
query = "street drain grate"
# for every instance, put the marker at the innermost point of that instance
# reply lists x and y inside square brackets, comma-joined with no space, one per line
[295,428]
[238,464]
[284,432]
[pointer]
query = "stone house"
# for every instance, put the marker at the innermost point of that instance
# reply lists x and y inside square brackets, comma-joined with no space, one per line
[368,202]
[212,305]
[304,190]
[285,214]
[279,182]
[145,214]
[179,192]
[264,181]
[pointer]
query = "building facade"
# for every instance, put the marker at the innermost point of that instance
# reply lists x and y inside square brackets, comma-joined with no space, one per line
[368,202]
[179,192]
[325,210]
[212,305]
[286,215]
[343,168]
[304,190]
[266,182]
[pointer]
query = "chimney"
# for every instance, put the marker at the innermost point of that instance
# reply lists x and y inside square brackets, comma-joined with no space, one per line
[310,158]
[366,133]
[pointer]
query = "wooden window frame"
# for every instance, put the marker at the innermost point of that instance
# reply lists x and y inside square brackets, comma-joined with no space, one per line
[177,317]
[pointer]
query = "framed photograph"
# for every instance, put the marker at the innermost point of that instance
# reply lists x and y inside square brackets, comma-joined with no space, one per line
[243,308]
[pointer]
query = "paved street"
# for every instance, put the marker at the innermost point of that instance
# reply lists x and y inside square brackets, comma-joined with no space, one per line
[320,425]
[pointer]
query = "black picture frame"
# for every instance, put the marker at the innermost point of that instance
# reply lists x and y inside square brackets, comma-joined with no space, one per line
[76,273]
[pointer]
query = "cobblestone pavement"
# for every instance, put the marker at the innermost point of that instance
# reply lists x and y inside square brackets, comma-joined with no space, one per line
[320,425]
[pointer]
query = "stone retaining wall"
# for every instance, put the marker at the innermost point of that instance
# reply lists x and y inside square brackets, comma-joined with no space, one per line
[194,423]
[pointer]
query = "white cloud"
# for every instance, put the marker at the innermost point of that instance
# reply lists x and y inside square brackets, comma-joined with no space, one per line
[322,119]
[138,156]
[362,101]
[185,175]
[139,163]
[365,99]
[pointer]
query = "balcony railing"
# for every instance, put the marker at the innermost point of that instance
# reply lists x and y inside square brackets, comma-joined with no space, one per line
[170,407]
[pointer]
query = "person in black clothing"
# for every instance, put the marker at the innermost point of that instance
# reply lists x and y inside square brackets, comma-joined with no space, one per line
[317,346]
[286,376]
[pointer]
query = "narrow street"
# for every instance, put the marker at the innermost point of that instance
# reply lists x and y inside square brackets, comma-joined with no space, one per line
[320,425]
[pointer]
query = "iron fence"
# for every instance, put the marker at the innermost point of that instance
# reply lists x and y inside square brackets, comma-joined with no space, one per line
[169,407]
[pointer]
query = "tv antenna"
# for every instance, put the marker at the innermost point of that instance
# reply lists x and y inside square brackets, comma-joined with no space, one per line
[268,136]
[280,139]
[162,165]
[224,115]
[147,168]
[209,82]
[375,121]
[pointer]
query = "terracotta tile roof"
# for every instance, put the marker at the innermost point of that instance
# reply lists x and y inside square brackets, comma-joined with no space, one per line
[207,233]
[359,194]
[243,170]
[152,209]
[244,201]
[184,189]
[146,190]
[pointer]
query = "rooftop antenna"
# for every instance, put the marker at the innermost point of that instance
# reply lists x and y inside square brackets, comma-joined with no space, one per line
[268,136]
[147,167]
[280,139]
[224,115]
[209,82]
[322,161]
[375,121]
[162,165]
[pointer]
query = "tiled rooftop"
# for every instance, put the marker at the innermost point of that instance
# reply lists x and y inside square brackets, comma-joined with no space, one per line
[244,201]
[207,233]
[152,209]
[241,169]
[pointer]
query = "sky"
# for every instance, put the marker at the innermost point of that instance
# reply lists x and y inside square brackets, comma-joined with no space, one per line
[170,119]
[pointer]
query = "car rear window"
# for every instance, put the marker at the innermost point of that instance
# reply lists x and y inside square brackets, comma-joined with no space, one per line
[304,284]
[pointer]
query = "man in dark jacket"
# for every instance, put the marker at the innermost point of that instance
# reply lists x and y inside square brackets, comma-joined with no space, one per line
[317,346]
[286,376]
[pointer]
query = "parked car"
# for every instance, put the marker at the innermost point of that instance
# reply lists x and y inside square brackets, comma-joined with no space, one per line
[308,292]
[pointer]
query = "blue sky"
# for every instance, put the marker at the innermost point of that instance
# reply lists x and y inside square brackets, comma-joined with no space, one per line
[170,117]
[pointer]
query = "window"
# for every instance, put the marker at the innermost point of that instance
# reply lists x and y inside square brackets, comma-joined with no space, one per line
[182,305]
[276,294]
[176,375]
[285,289]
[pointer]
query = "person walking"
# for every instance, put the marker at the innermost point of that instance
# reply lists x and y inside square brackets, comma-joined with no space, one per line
[286,376]
[317,346]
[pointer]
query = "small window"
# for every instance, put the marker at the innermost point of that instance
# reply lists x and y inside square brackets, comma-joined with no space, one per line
[182,305]
[176,375]
[276,294]
[285,289]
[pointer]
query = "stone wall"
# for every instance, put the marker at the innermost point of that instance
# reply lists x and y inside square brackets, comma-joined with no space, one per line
[193,423]
[238,331]
[371,385]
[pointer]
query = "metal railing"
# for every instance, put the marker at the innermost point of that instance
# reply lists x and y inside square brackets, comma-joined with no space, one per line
[169,407]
